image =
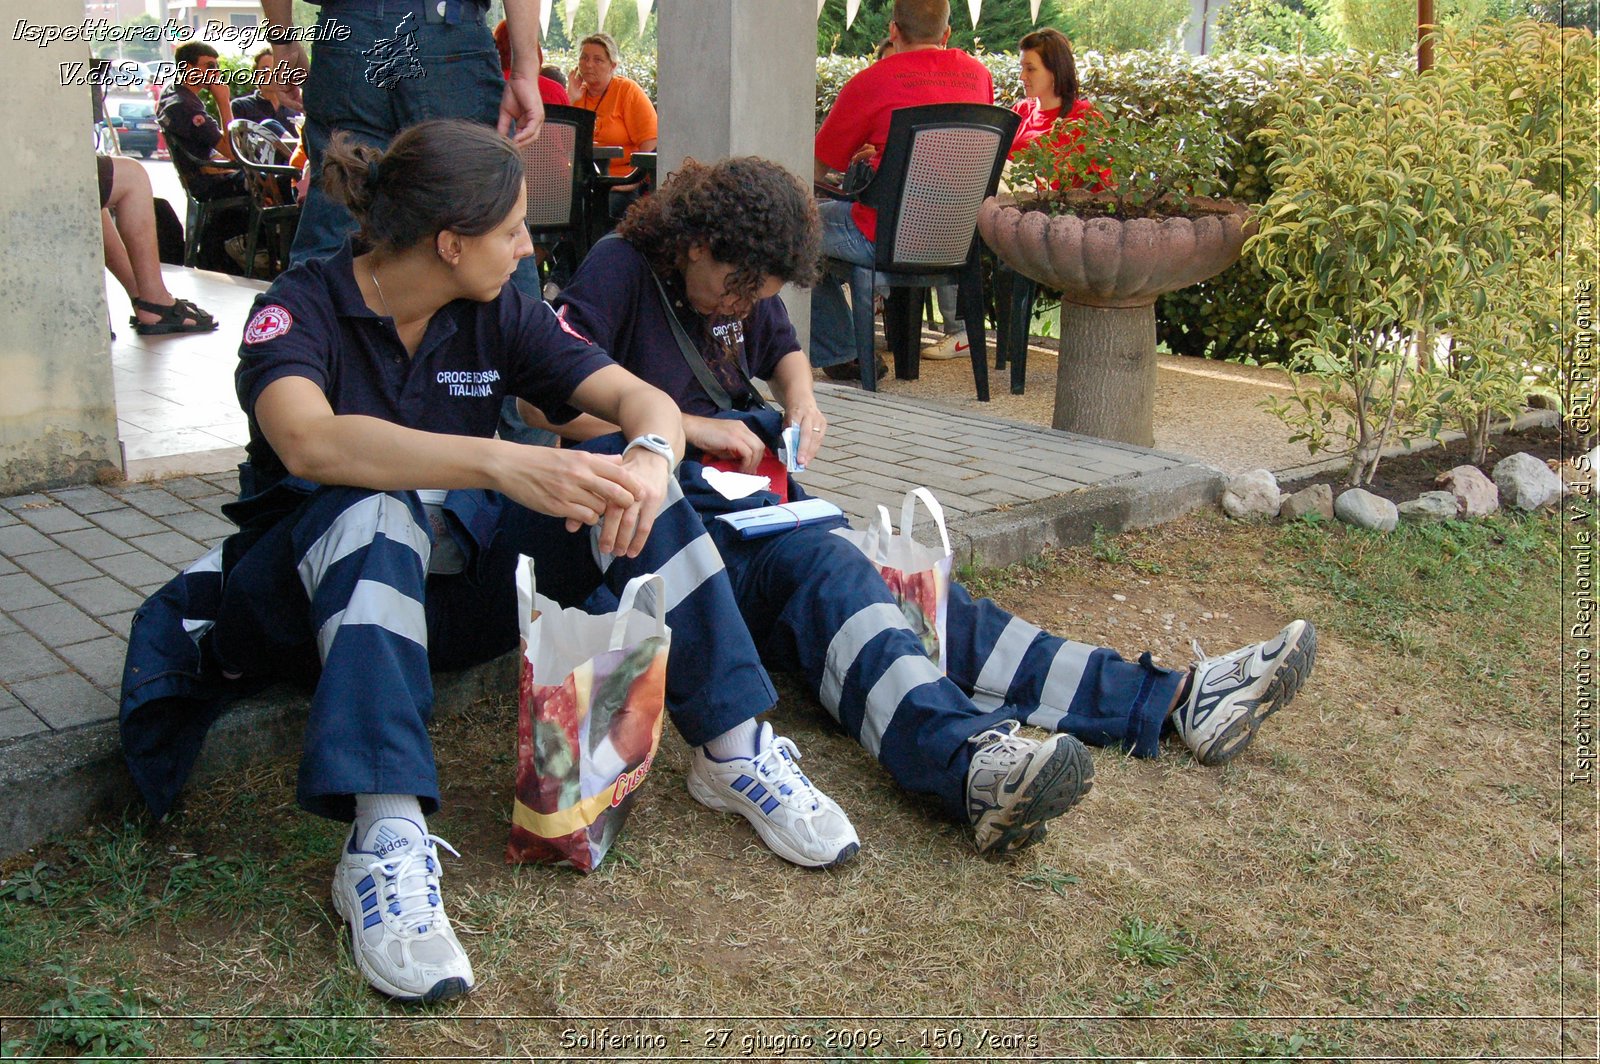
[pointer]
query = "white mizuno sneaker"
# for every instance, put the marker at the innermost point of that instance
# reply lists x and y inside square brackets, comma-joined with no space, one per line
[797,822]
[1015,785]
[1230,696]
[388,893]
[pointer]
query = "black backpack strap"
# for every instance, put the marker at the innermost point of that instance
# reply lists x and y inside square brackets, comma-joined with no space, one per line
[691,353]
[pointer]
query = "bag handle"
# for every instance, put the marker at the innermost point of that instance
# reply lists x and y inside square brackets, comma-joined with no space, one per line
[533,588]
[878,532]
[908,511]
[625,606]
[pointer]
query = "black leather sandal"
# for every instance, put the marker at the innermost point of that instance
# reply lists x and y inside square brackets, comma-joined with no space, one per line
[179,316]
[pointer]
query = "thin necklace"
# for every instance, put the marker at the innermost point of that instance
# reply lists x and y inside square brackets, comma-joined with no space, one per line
[372,272]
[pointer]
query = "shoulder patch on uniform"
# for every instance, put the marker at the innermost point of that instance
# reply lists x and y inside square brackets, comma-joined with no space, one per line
[561,320]
[199,119]
[269,323]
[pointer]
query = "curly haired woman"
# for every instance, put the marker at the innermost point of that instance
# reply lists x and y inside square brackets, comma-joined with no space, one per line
[711,250]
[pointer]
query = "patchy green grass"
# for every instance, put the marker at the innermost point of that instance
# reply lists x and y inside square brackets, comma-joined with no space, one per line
[1390,847]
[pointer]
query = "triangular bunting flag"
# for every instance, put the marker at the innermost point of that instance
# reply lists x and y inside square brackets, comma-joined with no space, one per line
[1034,4]
[544,17]
[603,6]
[850,9]
[973,6]
[644,13]
[572,13]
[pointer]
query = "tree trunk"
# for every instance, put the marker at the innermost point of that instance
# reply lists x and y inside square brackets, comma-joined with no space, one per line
[1106,379]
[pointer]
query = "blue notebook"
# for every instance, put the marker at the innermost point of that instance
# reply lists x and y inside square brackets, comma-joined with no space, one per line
[771,520]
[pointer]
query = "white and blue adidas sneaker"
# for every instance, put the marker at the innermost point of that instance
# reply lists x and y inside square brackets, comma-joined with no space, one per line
[798,822]
[387,890]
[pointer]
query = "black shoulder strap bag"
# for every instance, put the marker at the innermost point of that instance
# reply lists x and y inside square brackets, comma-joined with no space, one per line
[697,363]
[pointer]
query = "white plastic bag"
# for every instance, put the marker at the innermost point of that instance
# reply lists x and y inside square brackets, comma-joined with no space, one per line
[918,576]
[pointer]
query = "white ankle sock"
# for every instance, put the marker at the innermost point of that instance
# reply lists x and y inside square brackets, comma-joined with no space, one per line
[371,808]
[738,741]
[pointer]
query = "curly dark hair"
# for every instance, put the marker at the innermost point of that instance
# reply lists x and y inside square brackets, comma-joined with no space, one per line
[750,213]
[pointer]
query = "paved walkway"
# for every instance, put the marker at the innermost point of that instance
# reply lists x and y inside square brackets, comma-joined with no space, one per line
[76,563]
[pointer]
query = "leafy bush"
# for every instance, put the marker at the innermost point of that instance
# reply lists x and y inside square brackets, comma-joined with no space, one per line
[1129,25]
[1415,243]
[1275,25]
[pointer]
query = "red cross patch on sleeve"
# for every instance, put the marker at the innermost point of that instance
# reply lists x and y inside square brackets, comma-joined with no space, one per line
[561,320]
[269,323]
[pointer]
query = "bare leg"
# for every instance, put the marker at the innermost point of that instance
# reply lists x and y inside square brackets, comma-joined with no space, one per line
[133,204]
[117,255]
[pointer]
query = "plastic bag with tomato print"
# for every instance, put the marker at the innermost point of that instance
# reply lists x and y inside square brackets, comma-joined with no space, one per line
[918,576]
[591,699]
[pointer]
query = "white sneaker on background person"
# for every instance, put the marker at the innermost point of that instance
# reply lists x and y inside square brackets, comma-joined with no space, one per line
[955,345]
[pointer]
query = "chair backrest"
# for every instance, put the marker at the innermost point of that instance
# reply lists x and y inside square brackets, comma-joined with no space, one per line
[940,163]
[261,154]
[557,168]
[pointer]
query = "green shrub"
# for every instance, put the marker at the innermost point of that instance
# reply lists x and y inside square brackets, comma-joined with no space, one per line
[1418,246]
[1275,25]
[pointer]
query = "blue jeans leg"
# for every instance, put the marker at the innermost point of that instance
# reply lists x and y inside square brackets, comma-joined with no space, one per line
[832,328]
[459,78]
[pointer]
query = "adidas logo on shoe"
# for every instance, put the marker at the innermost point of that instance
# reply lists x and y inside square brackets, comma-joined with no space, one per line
[387,841]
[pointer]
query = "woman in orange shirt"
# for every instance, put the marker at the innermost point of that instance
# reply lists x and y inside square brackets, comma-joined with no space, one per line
[624,117]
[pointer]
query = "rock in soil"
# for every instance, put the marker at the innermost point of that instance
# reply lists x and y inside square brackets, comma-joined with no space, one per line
[1475,493]
[1430,507]
[1525,482]
[1252,494]
[1317,499]
[1363,509]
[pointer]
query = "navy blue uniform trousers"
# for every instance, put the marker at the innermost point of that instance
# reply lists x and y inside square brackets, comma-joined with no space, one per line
[340,583]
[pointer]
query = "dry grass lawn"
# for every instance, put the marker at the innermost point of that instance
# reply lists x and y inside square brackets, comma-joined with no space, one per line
[1384,874]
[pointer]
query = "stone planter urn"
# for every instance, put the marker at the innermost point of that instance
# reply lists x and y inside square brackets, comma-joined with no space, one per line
[1109,272]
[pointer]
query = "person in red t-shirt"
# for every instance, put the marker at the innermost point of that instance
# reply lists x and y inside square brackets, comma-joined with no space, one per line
[1050,85]
[550,90]
[919,70]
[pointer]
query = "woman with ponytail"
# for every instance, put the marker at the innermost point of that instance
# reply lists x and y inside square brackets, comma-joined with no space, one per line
[380,525]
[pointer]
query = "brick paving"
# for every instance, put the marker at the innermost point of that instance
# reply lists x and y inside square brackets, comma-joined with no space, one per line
[76,563]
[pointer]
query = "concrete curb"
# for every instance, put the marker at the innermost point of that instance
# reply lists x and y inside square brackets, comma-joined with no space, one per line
[61,781]
[1006,537]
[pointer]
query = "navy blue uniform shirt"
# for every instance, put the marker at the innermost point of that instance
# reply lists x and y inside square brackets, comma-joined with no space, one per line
[313,323]
[613,301]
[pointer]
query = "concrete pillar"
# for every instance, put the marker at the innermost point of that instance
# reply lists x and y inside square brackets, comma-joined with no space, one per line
[735,77]
[58,422]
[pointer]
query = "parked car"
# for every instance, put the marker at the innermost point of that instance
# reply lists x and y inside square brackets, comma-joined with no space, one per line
[135,122]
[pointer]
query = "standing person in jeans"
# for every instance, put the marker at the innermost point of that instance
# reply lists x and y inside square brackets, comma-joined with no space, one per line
[918,70]
[453,71]
[461,77]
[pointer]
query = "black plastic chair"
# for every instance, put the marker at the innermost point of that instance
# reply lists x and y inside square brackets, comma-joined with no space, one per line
[559,170]
[941,161]
[270,181]
[1014,296]
[200,211]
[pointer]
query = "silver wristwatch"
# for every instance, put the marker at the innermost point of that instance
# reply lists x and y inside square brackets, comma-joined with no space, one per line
[656,445]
